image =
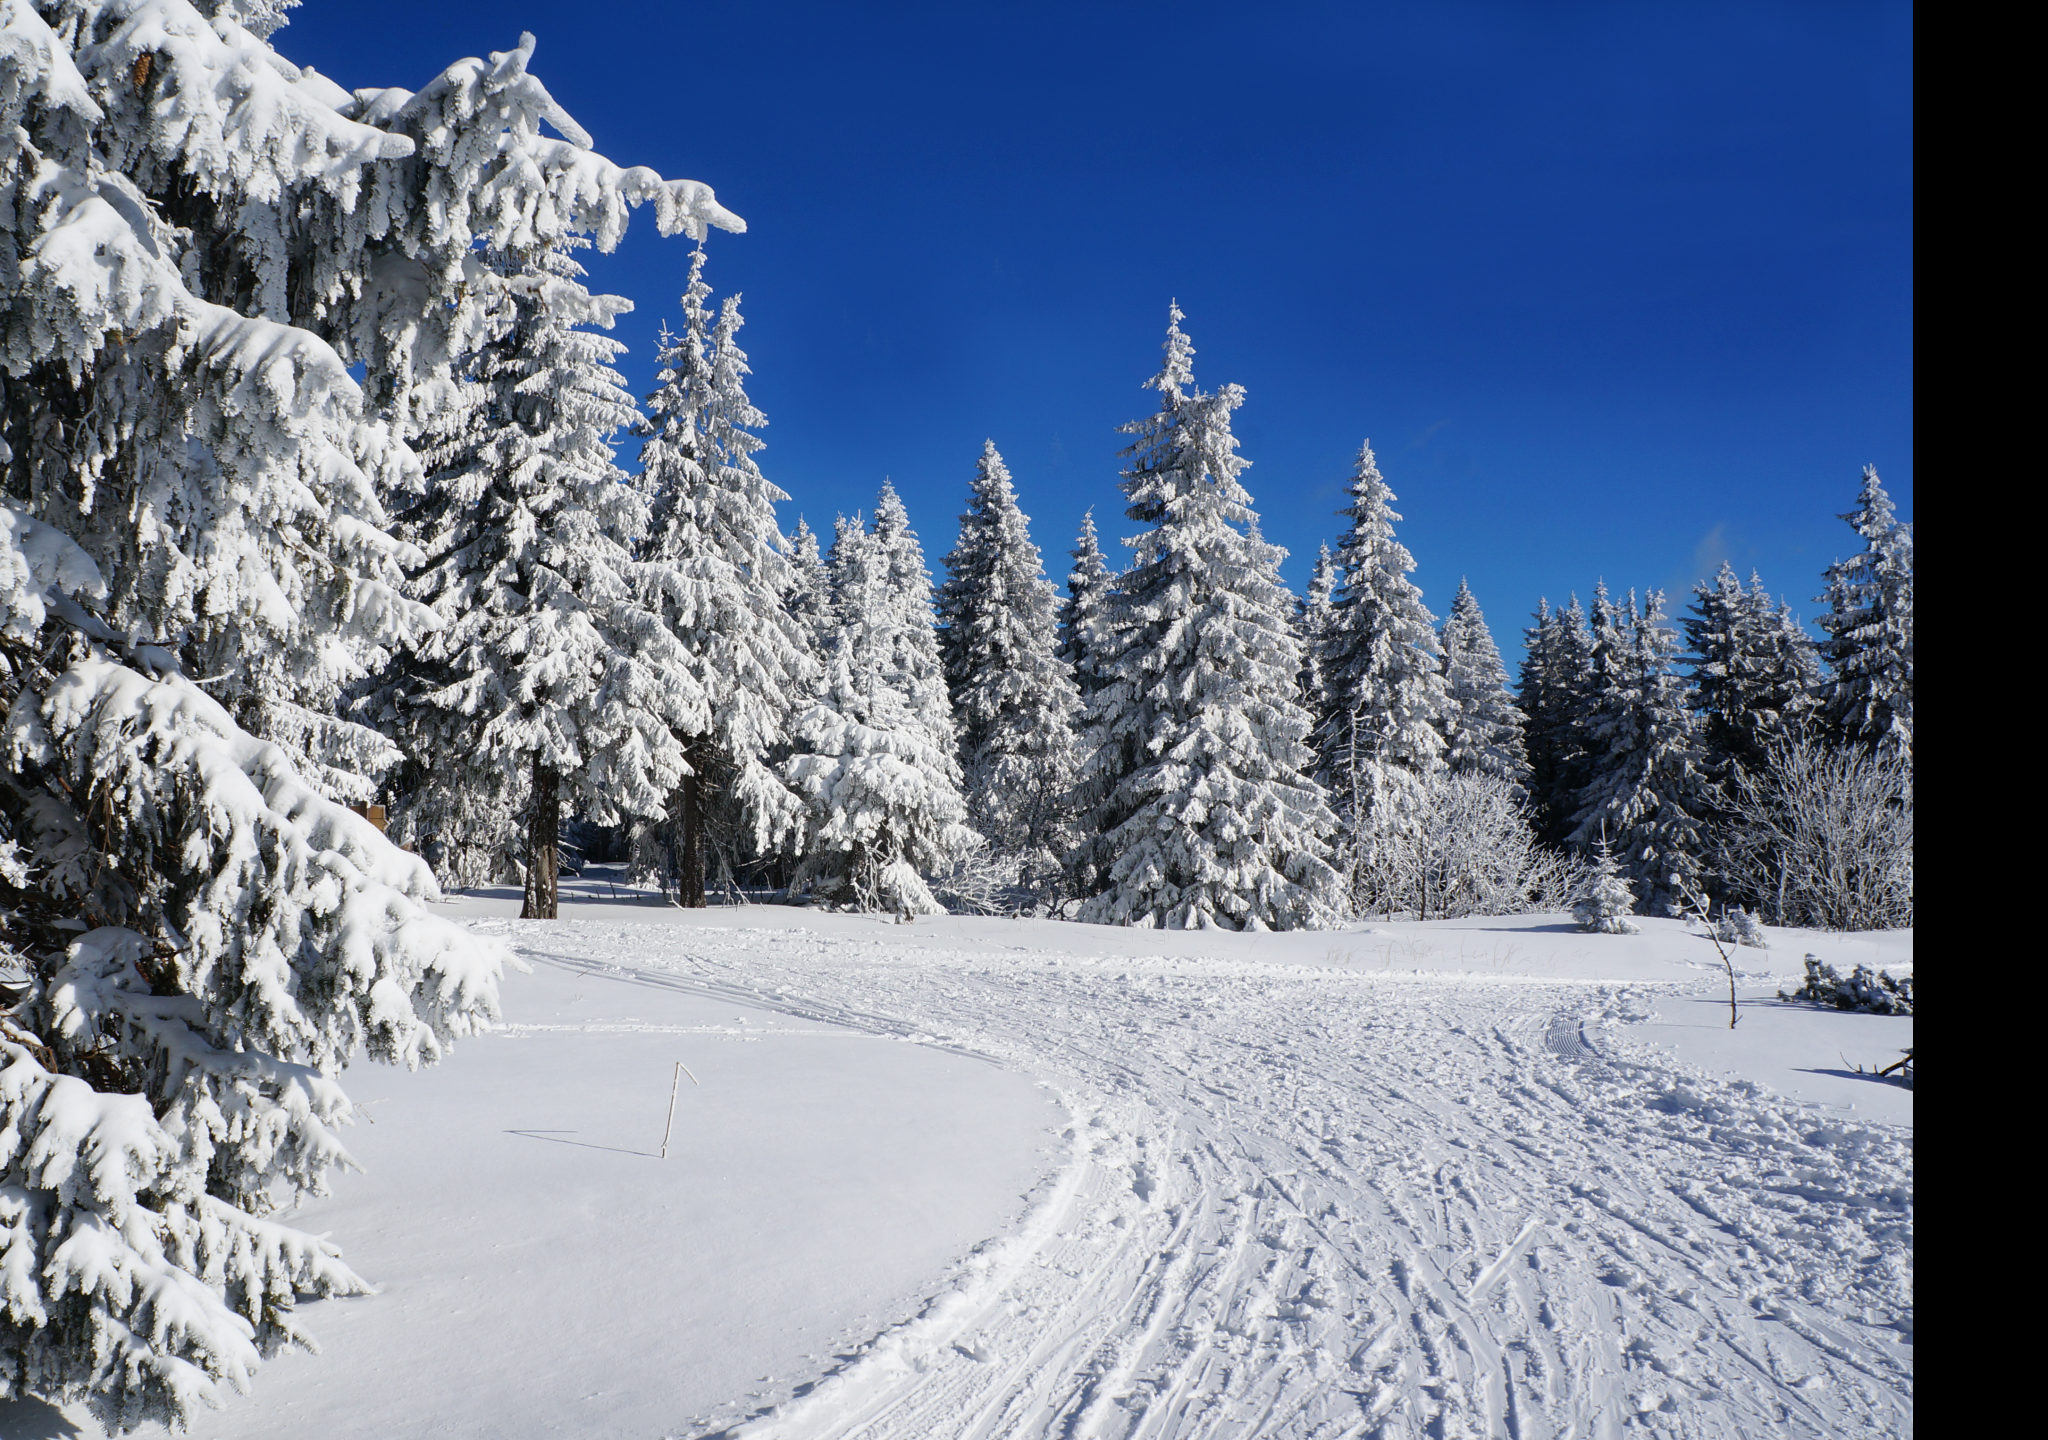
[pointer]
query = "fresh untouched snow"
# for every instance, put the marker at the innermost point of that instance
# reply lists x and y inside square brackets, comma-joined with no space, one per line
[1475,1178]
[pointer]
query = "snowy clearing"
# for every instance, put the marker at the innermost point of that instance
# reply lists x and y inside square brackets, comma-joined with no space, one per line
[1477,1178]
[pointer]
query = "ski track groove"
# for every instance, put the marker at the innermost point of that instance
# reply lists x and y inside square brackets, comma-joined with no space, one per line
[1327,1204]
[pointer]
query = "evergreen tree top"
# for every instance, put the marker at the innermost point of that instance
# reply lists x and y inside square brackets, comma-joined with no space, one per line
[905,552]
[1088,583]
[1177,375]
[803,543]
[1468,623]
[1372,566]
[995,580]
[1185,449]
[1874,517]
[1322,580]
[1090,568]
[993,528]
[1869,626]
[732,416]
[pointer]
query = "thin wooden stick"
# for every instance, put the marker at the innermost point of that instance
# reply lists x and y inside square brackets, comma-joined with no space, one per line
[674,1085]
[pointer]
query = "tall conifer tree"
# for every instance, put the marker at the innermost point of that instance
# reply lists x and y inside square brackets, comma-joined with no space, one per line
[1555,689]
[715,573]
[550,680]
[1383,688]
[1482,726]
[1014,702]
[1198,806]
[877,764]
[809,596]
[1754,671]
[230,297]
[1311,625]
[1082,612]
[1869,625]
[1644,795]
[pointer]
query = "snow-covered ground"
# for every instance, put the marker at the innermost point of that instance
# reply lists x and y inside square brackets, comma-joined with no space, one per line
[994,1178]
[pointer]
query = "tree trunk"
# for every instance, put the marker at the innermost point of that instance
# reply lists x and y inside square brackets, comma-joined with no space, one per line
[690,853]
[543,833]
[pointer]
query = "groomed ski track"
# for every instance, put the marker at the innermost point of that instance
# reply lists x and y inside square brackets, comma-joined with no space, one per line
[1323,1201]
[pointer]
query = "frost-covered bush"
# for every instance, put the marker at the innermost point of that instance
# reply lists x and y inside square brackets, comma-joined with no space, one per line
[989,881]
[1866,991]
[198,240]
[1606,900]
[1468,849]
[1823,836]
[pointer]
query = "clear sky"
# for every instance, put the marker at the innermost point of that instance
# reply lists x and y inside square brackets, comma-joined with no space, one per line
[1616,290]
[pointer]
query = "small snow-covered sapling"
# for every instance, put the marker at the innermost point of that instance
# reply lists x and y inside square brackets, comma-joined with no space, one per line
[1693,905]
[1607,900]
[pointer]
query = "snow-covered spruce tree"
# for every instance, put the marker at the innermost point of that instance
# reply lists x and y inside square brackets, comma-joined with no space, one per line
[1869,625]
[1482,726]
[197,239]
[1645,791]
[1311,624]
[1755,675]
[876,763]
[551,661]
[1555,689]
[1198,808]
[715,572]
[1536,693]
[231,201]
[1014,702]
[1607,899]
[1383,690]
[912,664]
[1081,613]
[809,596]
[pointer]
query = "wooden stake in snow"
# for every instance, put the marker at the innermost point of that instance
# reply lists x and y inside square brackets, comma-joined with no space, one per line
[673,1086]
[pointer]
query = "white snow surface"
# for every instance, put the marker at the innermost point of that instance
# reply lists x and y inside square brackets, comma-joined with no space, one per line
[975,1177]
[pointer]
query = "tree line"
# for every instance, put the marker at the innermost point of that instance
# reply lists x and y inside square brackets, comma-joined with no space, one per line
[1181,743]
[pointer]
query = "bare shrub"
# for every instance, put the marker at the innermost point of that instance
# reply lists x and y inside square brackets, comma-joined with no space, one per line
[1822,836]
[990,880]
[1464,845]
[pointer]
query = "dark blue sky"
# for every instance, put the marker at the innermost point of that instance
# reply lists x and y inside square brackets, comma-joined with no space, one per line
[1615,289]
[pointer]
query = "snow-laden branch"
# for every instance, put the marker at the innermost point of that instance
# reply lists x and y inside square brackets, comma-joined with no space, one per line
[304,931]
